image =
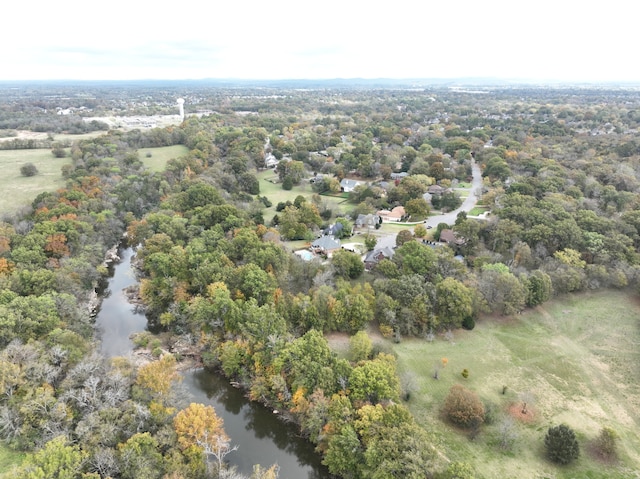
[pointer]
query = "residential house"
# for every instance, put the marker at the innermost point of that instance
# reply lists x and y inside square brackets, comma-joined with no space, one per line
[334,230]
[367,221]
[399,176]
[325,245]
[349,185]
[451,238]
[437,190]
[270,161]
[393,216]
[374,257]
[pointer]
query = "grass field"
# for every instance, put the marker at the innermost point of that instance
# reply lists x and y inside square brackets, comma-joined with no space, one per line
[8,459]
[578,356]
[160,156]
[17,190]
[275,194]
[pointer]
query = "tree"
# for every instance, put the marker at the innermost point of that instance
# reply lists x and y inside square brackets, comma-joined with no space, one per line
[370,242]
[507,433]
[344,454]
[463,407]
[287,183]
[347,264]
[360,346]
[561,444]
[140,457]
[417,208]
[420,231]
[376,380]
[199,425]
[454,302]
[28,169]
[55,460]
[403,236]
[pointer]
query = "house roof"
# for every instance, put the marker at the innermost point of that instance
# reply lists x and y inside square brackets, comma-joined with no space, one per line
[326,243]
[368,220]
[399,176]
[349,183]
[398,211]
[334,229]
[379,254]
[449,236]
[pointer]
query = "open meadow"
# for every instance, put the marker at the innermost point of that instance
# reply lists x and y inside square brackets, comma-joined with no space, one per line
[18,190]
[577,358]
[156,158]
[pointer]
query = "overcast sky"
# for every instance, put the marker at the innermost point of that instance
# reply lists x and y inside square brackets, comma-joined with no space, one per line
[561,40]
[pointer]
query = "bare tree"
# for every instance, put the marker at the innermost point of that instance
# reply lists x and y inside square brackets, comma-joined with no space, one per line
[528,400]
[507,433]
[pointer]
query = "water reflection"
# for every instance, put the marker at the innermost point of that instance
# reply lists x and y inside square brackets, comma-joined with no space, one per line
[261,437]
[117,319]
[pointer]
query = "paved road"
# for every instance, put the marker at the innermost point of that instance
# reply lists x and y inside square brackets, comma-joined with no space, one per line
[449,218]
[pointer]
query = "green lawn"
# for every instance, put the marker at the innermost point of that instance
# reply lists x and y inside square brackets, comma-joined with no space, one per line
[159,156]
[8,459]
[579,358]
[275,194]
[17,190]
[478,210]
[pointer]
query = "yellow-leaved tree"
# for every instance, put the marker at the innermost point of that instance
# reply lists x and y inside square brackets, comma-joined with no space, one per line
[199,425]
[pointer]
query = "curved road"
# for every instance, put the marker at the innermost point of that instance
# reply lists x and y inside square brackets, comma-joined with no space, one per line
[449,218]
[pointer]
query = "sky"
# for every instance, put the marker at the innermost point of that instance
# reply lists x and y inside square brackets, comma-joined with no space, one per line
[559,40]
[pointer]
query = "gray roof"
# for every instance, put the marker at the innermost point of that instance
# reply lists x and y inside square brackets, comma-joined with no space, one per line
[379,254]
[326,243]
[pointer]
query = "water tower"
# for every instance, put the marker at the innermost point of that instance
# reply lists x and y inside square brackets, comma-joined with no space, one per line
[181,108]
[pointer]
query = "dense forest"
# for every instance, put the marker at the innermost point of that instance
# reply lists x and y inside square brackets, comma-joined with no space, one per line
[561,179]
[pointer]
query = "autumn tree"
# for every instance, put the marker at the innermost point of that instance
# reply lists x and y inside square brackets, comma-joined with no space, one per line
[463,407]
[199,425]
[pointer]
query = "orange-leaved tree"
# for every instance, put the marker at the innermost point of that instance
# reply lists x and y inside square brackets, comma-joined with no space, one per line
[199,425]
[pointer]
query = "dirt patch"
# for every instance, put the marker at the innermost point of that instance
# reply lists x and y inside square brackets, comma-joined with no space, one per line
[528,417]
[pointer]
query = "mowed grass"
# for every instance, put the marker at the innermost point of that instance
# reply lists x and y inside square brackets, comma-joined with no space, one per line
[580,358]
[18,190]
[161,155]
[275,194]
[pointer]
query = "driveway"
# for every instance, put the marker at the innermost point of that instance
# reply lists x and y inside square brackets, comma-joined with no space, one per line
[449,218]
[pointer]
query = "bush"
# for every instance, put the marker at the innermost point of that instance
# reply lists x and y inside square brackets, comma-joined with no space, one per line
[463,407]
[605,443]
[28,169]
[287,183]
[468,323]
[561,444]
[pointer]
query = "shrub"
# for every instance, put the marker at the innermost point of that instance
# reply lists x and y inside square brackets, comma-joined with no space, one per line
[28,169]
[287,183]
[463,407]
[468,323]
[605,443]
[561,444]
[465,373]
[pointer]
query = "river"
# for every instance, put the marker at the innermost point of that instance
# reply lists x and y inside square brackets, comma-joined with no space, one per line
[260,436]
